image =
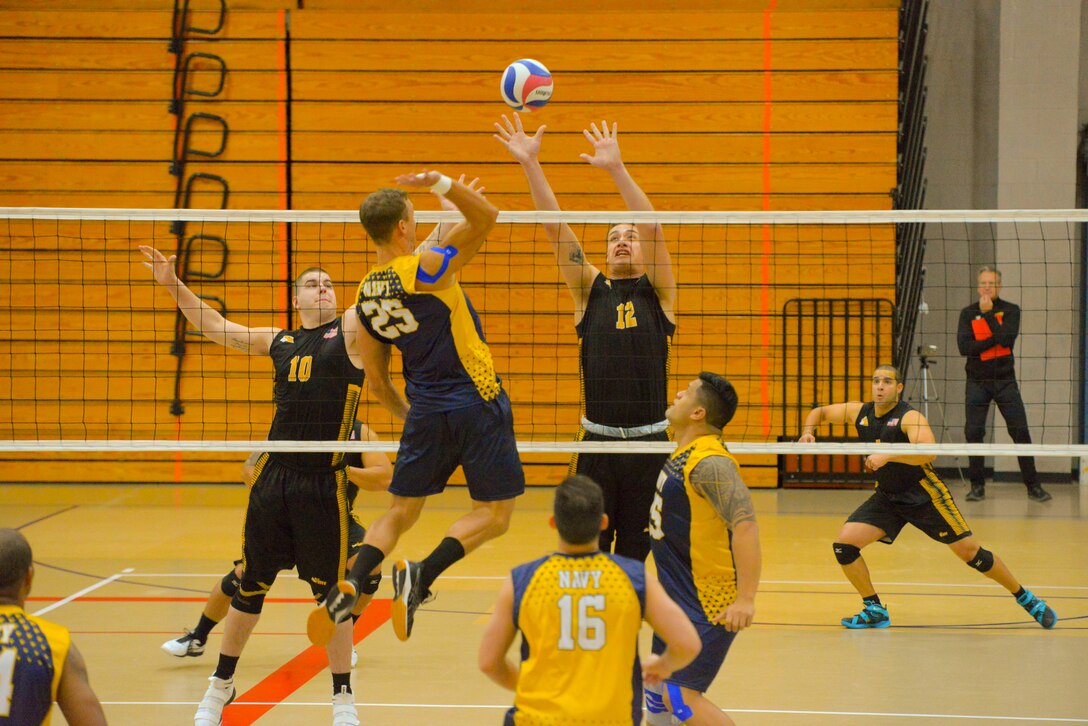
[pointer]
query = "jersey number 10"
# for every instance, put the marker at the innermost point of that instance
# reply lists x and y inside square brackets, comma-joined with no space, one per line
[590,627]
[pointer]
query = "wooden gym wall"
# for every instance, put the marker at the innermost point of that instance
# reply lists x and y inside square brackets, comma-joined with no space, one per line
[727,107]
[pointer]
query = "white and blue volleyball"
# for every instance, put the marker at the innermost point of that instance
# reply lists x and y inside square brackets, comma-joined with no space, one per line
[526,85]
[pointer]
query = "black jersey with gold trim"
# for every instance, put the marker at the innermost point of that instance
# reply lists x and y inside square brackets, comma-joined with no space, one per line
[316,391]
[625,338]
[893,477]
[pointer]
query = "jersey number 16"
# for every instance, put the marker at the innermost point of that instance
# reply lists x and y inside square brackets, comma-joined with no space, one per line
[590,627]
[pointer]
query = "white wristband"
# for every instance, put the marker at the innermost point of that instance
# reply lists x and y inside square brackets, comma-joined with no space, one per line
[442,185]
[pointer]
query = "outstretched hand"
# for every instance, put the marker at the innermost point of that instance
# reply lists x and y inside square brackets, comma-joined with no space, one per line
[472,185]
[606,149]
[424,178]
[521,146]
[161,267]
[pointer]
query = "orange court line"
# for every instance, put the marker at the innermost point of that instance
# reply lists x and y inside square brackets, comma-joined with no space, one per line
[765,258]
[262,698]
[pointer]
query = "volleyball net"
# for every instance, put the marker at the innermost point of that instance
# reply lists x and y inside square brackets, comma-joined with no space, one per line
[796,309]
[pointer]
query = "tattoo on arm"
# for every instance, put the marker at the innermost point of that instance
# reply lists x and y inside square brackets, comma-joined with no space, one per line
[576,255]
[718,479]
[238,344]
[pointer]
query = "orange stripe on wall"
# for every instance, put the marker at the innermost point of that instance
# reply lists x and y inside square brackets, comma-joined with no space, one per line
[281,231]
[765,258]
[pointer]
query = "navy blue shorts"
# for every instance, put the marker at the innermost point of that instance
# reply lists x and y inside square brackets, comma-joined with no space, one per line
[479,438]
[700,673]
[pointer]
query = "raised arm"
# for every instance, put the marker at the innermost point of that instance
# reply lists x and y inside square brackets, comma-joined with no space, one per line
[375,359]
[463,241]
[606,155]
[434,239]
[498,636]
[836,413]
[577,273]
[206,319]
[77,701]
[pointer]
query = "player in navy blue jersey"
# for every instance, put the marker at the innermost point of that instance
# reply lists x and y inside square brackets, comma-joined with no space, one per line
[908,491]
[456,412]
[39,663]
[624,318]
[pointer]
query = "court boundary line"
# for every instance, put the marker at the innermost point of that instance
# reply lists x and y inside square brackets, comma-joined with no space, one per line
[505,706]
[84,591]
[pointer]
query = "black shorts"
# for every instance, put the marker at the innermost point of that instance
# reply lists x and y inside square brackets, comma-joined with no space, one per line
[928,506]
[297,519]
[629,483]
[479,438]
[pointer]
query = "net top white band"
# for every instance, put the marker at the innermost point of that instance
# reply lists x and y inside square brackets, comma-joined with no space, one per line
[584,447]
[352,216]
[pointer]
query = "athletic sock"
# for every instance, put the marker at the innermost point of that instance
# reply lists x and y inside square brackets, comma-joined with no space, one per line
[445,554]
[227,664]
[1019,593]
[872,600]
[203,628]
[341,683]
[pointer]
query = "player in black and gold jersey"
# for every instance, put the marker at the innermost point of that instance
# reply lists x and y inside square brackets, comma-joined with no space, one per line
[908,491]
[297,514]
[579,611]
[706,546]
[625,323]
[39,663]
[459,412]
[369,471]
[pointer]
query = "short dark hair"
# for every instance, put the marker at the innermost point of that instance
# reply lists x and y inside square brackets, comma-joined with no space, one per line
[718,397]
[579,504]
[889,367]
[15,561]
[304,273]
[381,211]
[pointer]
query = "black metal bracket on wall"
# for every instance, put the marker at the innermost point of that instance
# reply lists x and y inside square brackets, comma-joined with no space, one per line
[189,249]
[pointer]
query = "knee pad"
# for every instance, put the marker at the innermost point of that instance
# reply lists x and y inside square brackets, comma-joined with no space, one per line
[369,586]
[983,560]
[846,553]
[229,584]
[250,597]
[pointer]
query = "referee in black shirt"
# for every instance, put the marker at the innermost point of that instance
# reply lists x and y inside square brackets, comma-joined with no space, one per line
[986,334]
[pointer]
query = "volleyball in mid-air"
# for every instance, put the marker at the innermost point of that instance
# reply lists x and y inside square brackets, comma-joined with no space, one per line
[526,85]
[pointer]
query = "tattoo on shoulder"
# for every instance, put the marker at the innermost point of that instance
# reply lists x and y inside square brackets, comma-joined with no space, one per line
[718,479]
[576,256]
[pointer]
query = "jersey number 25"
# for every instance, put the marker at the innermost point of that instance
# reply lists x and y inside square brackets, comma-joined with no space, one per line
[389,318]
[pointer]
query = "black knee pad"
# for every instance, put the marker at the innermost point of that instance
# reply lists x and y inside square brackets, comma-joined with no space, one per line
[250,597]
[983,560]
[846,553]
[229,584]
[369,586]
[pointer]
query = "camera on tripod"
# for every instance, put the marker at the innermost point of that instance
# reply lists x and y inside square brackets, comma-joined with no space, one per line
[926,352]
